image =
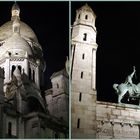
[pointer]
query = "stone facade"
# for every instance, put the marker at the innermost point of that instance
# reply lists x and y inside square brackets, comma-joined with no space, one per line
[23,108]
[117,121]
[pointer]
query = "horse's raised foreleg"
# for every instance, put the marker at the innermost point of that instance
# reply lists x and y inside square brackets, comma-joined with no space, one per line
[119,98]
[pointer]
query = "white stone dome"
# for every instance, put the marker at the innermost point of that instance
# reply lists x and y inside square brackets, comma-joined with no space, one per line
[15,46]
[6,30]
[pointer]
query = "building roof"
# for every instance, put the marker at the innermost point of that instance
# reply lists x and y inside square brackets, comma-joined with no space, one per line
[87,8]
[61,72]
[15,7]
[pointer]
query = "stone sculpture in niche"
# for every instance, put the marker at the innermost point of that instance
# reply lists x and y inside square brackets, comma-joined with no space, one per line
[128,87]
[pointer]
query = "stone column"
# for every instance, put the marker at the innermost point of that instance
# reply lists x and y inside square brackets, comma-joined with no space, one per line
[37,79]
[26,69]
[94,69]
[7,71]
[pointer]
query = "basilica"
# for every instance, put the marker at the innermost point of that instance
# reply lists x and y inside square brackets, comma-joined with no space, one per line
[25,110]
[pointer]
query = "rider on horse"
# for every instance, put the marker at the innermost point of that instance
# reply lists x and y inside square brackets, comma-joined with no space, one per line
[129,82]
[129,77]
[128,86]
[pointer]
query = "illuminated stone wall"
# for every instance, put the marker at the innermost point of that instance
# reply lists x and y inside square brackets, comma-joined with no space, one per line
[117,121]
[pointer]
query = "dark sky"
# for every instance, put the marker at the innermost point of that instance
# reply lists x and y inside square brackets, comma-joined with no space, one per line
[50,22]
[118,39]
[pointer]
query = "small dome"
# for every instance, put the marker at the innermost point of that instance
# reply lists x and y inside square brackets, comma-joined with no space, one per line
[15,11]
[16,46]
[85,16]
[15,7]
[87,8]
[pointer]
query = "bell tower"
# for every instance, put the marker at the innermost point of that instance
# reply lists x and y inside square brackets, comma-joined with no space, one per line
[83,74]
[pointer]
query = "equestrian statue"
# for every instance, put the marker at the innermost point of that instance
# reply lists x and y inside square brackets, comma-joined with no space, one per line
[128,87]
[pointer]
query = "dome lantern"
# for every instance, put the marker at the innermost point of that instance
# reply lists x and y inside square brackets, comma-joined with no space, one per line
[15,11]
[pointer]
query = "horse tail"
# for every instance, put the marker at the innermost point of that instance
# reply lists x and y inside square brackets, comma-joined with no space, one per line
[115,86]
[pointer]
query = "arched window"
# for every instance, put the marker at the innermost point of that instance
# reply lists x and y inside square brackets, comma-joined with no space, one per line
[83,56]
[78,123]
[16,29]
[85,37]
[29,73]
[81,75]
[9,53]
[3,71]
[79,16]
[56,135]
[9,128]
[19,67]
[59,104]
[80,97]
[86,16]
[33,76]
[13,68]
[57,85]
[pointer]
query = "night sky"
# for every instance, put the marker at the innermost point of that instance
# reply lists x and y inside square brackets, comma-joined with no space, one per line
[50,22]
[118,39]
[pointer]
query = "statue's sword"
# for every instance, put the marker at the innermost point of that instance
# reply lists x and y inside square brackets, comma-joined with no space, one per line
[135,76]
[135,72]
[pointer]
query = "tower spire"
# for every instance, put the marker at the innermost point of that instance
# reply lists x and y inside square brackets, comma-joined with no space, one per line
[15,11]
